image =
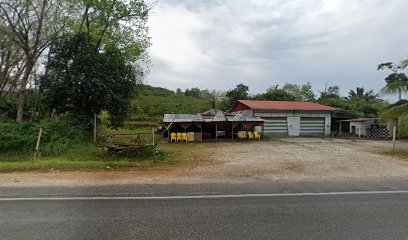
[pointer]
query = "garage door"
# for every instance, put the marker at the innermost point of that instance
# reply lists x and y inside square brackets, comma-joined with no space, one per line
[311,126]
[276,126]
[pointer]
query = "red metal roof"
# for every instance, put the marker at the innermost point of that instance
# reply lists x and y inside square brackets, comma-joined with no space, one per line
[283,105]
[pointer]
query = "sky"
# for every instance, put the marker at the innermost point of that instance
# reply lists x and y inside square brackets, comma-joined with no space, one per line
[217,44]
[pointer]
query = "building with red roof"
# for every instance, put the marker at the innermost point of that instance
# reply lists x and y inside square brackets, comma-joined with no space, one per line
[289,118]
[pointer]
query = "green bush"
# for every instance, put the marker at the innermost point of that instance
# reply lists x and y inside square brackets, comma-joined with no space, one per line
[59,135]
[403,127]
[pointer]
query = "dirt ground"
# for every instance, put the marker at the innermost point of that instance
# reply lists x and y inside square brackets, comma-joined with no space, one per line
[278,159]
[298,159]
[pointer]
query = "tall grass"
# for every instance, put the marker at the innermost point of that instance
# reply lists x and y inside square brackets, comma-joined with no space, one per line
[59,135]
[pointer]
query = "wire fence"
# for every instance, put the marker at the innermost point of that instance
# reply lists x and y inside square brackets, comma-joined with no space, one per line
[137,138]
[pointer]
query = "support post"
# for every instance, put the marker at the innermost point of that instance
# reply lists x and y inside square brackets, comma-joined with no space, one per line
[216,131]
[94,132]
[359,131]
[339,128]
[232,131]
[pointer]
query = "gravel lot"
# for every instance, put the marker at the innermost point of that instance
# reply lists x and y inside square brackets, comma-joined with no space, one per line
[278,159]
[297,159]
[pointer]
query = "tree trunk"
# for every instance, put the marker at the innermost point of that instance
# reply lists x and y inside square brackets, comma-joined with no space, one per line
[94,129]
[399,94]
[23,89]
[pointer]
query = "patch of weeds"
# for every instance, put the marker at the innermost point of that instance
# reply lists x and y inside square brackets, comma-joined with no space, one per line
[399,153]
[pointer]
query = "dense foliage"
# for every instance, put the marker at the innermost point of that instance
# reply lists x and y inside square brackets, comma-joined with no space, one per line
[358,104]
[398,111]
[83,81]
[59,135]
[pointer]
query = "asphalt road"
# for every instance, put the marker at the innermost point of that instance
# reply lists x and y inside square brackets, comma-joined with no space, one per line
[261,213]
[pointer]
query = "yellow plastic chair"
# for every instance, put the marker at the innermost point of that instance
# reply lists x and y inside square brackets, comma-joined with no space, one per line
[184,137]
[178,137]
[250,136]
[257,135]
[173,136]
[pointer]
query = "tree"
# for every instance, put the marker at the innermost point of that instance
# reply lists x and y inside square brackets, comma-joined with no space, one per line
[397,82]
[113,22]
[11,65]
[240,92]
[274,93]
[368,96]
[303,93]
[83,80]
[330,92]
[31,25]
[216,98]
[193,92]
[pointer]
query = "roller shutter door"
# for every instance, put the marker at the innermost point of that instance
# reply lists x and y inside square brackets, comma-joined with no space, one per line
[311,126]
[277,126]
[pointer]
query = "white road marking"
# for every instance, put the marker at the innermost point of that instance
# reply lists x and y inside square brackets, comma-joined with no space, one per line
[181,197]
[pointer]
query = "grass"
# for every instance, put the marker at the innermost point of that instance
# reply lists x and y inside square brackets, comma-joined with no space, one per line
[88,156]
[399,153]
[91,157]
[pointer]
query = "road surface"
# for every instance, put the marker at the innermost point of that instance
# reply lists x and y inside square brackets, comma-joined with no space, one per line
[213,211]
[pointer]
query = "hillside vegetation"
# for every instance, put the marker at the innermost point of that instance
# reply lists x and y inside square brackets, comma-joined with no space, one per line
[150,103]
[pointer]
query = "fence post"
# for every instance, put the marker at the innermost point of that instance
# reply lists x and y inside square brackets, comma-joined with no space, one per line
[153,136]
[37,145]
[394,133]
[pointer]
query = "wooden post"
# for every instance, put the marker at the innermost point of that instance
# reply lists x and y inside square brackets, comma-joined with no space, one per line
[37,145]
[394,135]
[94,132]
[153,135]
[232,131]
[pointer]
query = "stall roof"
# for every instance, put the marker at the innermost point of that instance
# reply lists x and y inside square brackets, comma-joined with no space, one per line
[168,118]
[219,117]
[247,119]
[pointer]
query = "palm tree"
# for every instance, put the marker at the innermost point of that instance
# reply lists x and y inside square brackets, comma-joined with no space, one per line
[397,82]
[368,96]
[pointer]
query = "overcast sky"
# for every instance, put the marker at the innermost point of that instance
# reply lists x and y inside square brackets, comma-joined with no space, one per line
[218,44]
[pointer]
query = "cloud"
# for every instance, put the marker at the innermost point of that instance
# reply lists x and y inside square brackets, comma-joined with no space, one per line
[218,44]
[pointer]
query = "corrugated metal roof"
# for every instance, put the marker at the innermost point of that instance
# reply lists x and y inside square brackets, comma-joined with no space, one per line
[212,112]
[247,119]
[178,118]
[284,105]
[359,120]
[219,117]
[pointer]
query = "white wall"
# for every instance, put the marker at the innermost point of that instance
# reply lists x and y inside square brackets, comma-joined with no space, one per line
[361,127]
[293,126]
